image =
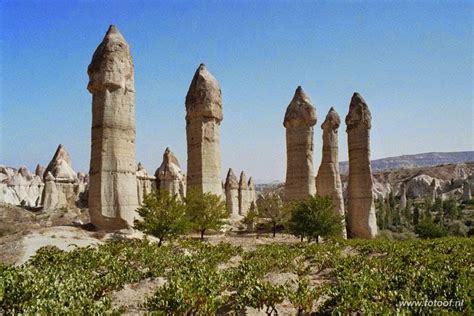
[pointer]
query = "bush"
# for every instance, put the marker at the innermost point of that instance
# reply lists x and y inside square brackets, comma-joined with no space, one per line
[428,229]
[315,218]
[163,216]
[206,211]
[271,207]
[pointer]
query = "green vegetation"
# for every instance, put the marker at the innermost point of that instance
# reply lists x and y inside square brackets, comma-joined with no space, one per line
[354,276]
[271,208]
[206,211]
[163,216]
[314,218]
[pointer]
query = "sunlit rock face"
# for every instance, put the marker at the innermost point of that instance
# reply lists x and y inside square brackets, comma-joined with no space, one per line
[362,222]
[113,196]
[169,176]
[204,114]
[145,182]
[20,187]
[300,118]
[328,181]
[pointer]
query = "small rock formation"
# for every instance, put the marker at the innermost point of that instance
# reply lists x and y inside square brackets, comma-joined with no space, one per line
[244,197]
[467,189]
[169,176]
[362,222]
[145,182]
[433,191]
[403,197]
[232,193]
[39,171]
[300,117]
[328,181]
[252,193]
[203,117]
[61,182]
[112,186]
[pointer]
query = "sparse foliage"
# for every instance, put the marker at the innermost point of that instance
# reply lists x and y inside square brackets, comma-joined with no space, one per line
[271,207]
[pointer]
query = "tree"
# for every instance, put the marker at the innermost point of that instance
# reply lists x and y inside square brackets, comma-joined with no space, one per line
[315,218]
[206,211]
[251,217]
[162,215]
[426,228]
[271,207]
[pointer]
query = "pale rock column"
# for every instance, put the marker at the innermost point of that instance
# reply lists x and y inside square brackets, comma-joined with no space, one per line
[328,181]
[169,176]
[362,222]
[39,171]
[403,197]
[232,193]
[300,117]
[466,191]
[204,114]
[433,191]
[145,182]
[252,192]
[244,199]
[113,184]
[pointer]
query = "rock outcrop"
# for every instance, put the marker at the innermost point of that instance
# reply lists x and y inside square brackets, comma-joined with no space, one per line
[204,114]
[244,197]
[61,184]
[362,221]
[169,176]
[403,197]
[145,182]
[328,181]
[113,185]
[252,193]
[20,187]
[300,117]
[466,191]
[232,193]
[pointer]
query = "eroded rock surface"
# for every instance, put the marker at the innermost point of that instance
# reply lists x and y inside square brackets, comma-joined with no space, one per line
[300,117]
[232,193]
[169,176]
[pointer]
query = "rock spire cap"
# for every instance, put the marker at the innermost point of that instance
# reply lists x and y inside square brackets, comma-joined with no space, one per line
[231,181]
[204,97]
[359,113]
[300,111]
[332,120]
[111,67]
[243,184]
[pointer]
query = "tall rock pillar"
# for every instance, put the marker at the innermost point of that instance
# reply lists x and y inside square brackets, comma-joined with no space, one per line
[328,181]
[244,197]
[232,193]
[362,222]
[204,114]
[300,117]
[113,185]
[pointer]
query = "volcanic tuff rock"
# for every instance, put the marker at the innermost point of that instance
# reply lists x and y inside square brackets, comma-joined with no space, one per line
[300,117]
[252,193]
[362,222]
[328,181]
[145,182]
[61,187]
[169,176]
[20,187]
[232,193]
[244,196]
[203,117]
[113,185]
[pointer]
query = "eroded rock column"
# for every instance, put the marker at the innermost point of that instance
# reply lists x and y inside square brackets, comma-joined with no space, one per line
[300,117]
[169,176]
[113,185]
[244,198]
[232,193]
[328,181]
[203,117]
[362,222]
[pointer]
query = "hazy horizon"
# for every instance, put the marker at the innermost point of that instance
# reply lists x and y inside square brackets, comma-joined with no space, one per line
[412,63]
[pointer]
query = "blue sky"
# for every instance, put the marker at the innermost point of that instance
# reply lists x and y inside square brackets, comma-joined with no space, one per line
[412,62]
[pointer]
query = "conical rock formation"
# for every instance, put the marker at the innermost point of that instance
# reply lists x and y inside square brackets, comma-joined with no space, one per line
[232,193]
[169,176]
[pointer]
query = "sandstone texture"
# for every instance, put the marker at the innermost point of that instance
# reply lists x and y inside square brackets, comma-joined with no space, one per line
[244,194]
[300,118]
[328,181]
[113,195]
[61,184]
[204,114]
[362,222]
[252,193]
[20,187]
[169,176]
[145,182]
[403,197]
[232,193]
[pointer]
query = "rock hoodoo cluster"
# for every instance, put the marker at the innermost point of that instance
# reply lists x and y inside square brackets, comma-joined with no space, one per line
[112,189]
[204,114]
[362,222]
[300,117]
[169,176]
[145,182]
[328,181]
[231,187]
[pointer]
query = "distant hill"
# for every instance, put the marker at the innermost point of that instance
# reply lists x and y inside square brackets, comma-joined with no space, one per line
[417,160]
